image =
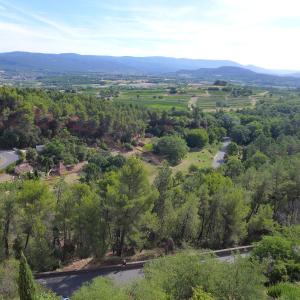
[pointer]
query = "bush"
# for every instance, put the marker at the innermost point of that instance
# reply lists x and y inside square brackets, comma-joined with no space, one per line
[8,279]
[31,155]
[128,146]
[284,291]
[100,288]
[199,294]
[172,147]
[10,169]
[196,138]
[178,276]
[282,260]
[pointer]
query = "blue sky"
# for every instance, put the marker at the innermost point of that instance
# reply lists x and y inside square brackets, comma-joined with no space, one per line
[260,32]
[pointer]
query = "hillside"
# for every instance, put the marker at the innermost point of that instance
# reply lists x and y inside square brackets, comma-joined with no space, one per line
[239,75]
[68,62]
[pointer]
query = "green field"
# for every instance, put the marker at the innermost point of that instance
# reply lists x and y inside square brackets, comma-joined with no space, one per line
[160,98]
[201,159]
[154,98]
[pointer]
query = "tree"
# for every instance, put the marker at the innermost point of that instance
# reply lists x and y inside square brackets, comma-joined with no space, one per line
[256,160]
[128,198]
[281,254]
[173,90]
[163,206]
[196,138]
[8,211]
[27,290]
[172,147]
[31,155]
[233,149]
[234,167]
[241,135]
[35,200]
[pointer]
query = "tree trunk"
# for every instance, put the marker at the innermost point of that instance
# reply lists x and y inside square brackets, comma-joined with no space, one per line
[121,243]
[5,237]
[27,240]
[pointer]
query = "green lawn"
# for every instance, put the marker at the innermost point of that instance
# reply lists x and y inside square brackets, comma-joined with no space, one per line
[202,159]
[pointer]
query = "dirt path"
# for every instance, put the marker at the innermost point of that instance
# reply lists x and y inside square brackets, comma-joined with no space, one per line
[253,100]
[193,102]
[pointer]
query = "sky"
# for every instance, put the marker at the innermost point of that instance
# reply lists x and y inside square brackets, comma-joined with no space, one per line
[265,33]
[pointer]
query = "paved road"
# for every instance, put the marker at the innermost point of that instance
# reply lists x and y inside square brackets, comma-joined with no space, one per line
[219,157]
[7,158]
[66,285]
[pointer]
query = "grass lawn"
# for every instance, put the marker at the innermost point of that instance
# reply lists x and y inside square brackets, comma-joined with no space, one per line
[202,159]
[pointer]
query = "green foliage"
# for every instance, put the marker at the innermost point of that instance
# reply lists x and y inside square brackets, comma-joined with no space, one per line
[233,149]
[199,294]
[9,279]
[234,167]
[128,198]
[172,147]
[196,138]
[27,290]
[284,291]
[179,275]
[31,155]
[100,288]
[282,257]
[257,160]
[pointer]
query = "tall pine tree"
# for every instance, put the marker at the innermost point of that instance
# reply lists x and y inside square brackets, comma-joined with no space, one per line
[26,282]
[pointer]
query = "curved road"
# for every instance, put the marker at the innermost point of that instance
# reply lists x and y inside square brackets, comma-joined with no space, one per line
[66,285]
[7,158]
[219,157]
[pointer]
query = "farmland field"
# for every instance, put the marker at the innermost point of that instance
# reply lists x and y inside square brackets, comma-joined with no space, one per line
[154,98]
[186,97]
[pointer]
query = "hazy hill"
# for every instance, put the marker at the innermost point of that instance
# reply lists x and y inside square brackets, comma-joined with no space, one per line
[240,75]
[59,63]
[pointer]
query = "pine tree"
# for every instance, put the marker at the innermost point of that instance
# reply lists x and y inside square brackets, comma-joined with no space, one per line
[26,281]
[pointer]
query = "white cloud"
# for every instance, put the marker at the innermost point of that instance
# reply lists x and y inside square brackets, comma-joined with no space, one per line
[244,31]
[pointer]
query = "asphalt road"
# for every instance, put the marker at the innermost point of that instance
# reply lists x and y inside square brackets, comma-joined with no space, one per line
[219,157]
[65,286]
[7,158]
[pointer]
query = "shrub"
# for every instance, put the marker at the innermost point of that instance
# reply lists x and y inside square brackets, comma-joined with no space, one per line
[10,169]
[172,147]
[284,291]
[178,276]
[199,294]
[8,279]
[100,288]
[128,146]
[196,138]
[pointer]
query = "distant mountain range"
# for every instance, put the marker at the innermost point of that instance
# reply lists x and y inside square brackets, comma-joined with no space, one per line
[19,62]
[239,75]
[69,62]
